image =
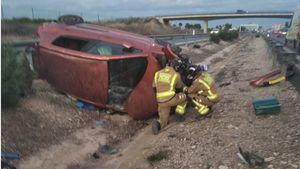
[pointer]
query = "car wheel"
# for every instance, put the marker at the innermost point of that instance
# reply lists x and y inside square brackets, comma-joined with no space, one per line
[70,19]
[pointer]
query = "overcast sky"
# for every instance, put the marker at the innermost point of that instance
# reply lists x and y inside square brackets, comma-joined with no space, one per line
[108,9]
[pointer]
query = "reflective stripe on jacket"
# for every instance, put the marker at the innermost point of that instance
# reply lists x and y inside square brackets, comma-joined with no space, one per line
[203,85]
[166,81]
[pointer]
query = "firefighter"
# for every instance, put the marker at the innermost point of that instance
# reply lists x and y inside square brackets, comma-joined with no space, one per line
[167,85]
[202,91]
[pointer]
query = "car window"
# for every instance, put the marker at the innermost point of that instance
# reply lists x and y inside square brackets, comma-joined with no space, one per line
[94,46]
[107,49]
[70,43]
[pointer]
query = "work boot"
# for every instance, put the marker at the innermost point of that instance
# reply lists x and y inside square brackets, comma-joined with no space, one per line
[155,127]
[205,116]
[179,118]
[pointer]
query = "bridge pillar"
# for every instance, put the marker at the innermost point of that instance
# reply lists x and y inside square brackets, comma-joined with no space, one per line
[205,26]
[162,21]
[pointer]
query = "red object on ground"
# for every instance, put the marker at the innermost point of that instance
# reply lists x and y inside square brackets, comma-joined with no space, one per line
[261,79]
[105,67]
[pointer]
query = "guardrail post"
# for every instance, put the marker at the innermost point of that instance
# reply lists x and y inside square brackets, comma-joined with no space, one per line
[286,58]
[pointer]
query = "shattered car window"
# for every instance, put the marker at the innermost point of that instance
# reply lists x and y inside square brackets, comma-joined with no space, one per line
[94,47]
[124,75]
[70,43]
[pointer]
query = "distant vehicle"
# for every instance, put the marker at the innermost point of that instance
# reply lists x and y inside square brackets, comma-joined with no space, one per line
[254,31]
[214,31]
[275,32]
[239,11]
[283,31]
[106,67]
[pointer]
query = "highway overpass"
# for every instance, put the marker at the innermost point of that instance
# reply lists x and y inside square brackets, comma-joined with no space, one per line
[214,16]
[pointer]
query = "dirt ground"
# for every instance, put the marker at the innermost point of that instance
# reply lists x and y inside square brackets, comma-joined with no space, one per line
[58,135]
[213,142]
[46,119]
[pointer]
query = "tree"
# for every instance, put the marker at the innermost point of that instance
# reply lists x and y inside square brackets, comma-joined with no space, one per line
[16,77]
[187,26]
[227,26]
[197,26]
[180,24]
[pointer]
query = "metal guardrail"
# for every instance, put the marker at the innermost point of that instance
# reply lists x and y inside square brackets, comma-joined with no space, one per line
[181,39]
[20,44]
[177,36]
[282,55]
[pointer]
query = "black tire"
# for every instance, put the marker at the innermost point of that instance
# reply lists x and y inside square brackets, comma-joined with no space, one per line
[70,19]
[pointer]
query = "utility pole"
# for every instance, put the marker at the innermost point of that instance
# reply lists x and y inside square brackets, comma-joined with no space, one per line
[98,19]
[58,14]
[2,13]
[32,13]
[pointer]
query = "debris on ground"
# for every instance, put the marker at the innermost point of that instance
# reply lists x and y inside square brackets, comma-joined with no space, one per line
[84,105]
[160,155]
[224,84]
[196,46]
[106,149]
[99,122]
[7,158]
[96,155]
[258,81]
[250,158]
[10,155]
[273,77]
[5,164]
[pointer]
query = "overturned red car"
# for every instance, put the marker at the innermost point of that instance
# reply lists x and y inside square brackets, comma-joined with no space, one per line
[105,67]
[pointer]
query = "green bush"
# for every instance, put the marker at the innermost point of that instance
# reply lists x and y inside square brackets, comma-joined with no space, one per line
[214,38]
[16,77]
[225,35]
[234,34]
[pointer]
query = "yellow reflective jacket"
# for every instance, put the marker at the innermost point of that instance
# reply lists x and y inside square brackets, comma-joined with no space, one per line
[166,81]
[204,85]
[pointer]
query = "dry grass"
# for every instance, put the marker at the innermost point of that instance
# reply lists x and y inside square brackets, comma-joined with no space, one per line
[14,31]
[11,32]
[148,26]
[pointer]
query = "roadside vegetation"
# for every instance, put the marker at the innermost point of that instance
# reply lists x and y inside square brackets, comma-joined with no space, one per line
[16,77]
[144,26]
[25,28]
[225,33]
